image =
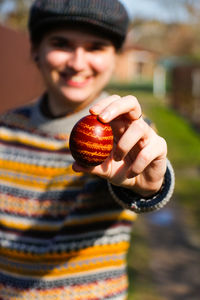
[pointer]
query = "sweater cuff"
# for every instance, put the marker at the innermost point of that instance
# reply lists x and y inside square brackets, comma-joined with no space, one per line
[130,200]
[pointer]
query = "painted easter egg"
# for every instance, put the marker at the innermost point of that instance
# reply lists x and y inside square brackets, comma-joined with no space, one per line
[91,141]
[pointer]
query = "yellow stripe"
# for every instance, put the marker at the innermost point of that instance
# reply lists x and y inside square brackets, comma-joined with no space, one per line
[94,153]
[22,226]
[125,215]
[63,271]
[91,134]
[75,264]
[92,145]
[30,140]
[47,172]
[43,176]
[59,258]
[12,223]
[40,186]
[92,128]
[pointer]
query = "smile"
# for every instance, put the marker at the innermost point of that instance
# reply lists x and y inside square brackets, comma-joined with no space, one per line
[76,80]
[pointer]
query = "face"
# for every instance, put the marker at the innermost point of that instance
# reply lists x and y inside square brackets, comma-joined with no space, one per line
[75,65]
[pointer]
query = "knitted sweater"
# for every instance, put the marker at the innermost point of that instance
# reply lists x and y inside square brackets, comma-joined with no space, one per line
[62,234]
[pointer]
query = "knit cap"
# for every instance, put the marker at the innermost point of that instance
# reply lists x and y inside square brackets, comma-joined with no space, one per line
[107,17]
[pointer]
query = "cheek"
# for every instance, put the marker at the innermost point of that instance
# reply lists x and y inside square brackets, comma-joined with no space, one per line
[54,59]
[103,63]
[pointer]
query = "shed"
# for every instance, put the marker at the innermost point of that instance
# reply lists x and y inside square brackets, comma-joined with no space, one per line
[184,87]
[19,77]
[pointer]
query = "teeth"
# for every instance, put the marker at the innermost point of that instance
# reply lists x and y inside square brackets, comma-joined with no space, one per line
[78,78]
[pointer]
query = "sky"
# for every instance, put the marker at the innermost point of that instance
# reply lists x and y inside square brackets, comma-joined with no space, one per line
[152,9]
[7,7]
[143,8]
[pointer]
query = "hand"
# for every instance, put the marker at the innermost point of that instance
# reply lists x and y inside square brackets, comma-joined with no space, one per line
[138,158]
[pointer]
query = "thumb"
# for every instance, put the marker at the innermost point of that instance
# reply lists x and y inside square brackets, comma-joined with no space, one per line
[101,170]
[79,168]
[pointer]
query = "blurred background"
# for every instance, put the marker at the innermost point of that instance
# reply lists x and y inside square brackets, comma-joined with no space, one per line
[160,65]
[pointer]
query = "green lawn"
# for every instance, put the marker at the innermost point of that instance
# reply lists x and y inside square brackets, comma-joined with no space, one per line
[184,153]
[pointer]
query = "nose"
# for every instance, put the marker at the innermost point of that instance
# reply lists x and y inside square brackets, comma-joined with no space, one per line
[77,60]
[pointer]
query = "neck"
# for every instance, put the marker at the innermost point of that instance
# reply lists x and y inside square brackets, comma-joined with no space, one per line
[50,109]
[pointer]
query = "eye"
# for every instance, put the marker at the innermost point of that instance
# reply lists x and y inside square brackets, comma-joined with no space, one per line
[60,43]
[96,47]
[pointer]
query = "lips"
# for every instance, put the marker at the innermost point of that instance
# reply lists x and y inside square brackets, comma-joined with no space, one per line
[76,80]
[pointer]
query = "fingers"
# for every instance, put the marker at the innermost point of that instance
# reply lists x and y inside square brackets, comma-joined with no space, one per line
[114,106]
[140,146]
[153,153]
[138,132]
[102,104]
[139,155]
[103,170]
[138,143]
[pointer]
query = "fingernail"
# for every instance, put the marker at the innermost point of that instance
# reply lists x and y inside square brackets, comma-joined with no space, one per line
[104,116]
[94,110]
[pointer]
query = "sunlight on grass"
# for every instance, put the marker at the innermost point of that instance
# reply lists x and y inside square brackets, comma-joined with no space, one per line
[183,141]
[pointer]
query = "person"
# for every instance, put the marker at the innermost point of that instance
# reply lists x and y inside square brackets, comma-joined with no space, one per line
[64,228]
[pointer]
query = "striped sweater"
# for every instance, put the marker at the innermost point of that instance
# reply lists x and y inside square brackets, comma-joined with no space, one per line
[62,236]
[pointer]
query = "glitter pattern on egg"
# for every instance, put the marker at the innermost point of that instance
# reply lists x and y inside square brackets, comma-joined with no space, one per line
[91,141]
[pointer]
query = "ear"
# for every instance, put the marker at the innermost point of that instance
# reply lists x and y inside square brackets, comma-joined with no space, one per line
[35,55]
[36,58]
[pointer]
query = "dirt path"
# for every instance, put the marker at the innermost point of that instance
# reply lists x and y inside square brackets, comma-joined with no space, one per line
[175,259]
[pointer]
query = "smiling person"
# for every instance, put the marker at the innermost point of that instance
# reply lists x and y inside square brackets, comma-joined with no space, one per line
[65,228]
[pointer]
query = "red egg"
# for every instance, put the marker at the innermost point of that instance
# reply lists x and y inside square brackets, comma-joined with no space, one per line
[91,141]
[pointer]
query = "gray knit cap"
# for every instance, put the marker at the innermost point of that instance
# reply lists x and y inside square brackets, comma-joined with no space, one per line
[108,17]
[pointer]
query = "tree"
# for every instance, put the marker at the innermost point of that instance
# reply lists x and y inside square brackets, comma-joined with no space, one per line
[172,37]
[17,16]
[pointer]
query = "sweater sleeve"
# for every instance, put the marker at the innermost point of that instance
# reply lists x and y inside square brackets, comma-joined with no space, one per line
[130,200]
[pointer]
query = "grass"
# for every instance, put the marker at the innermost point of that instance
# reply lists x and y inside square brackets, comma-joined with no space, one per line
[184,153]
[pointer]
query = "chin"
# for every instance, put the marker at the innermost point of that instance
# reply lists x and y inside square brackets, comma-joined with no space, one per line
[77,96]
[76,99]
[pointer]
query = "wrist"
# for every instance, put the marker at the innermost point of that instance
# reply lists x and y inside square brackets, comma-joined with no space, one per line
[147,193]
[131,200]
